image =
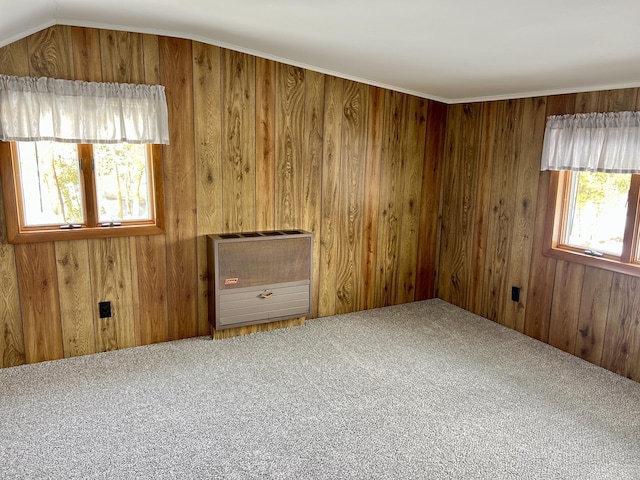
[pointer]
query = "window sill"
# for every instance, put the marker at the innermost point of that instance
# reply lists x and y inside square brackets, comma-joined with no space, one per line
[596,262]
[36,236]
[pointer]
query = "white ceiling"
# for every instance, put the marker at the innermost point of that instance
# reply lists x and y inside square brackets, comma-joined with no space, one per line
[447,50]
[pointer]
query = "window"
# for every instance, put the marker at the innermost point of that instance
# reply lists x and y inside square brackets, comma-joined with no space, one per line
[81,159]
[56,191]
[592,219]
[592,211]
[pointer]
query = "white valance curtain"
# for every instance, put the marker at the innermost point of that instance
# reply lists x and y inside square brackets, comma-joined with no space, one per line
[594,142]
[81,112]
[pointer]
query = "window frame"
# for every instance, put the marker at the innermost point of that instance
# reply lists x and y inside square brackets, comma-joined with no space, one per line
[17,232]
[555,221]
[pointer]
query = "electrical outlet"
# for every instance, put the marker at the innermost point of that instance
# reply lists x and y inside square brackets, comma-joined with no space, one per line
[515,294]
[104,309]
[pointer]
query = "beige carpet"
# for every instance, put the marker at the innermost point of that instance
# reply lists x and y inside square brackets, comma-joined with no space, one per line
[422,390]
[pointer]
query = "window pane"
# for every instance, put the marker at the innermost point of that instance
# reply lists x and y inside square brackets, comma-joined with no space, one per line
[122,182]
[597,211]
[50,183]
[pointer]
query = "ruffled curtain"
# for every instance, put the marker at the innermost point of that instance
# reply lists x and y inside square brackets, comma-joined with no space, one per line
[74,111]
[593,142]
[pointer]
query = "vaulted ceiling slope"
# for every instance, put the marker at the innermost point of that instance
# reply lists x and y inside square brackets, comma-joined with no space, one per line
[448,50]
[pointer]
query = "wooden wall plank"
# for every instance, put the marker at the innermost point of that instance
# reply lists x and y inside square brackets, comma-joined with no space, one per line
[586,102]
[594,309]
[351,196]
[375,131]
[208,140]
[238,146]
[14,59]
[176,73]
[528,174]
[391,194]
[565,306]
[330,185]
[12,351]
[265,144]
[501,210]
[50,53]
[111,282]
[135,290]
[458,205]
[410,222]
[151,59]
[542,269]
[312,171]
[122,59]
[452,210]
[561,104]
[76,298]
[481,216]
[430,204]
[38,287]
[152,289]
[621,349]
[617,100]
[541,272]
[290,94]
[86,54]
[148,253]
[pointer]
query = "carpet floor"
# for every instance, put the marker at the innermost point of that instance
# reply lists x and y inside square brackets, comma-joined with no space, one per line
[421,390]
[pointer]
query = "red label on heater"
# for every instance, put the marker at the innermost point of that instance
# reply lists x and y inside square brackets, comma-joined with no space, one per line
[231,281]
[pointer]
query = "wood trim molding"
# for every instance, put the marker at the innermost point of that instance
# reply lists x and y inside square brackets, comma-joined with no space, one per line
[9,191]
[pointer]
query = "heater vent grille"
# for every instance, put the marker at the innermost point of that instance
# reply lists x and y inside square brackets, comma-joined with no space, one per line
[257,277]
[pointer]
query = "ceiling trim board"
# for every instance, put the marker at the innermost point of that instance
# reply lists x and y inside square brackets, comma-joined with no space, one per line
[543,93]
[29,31]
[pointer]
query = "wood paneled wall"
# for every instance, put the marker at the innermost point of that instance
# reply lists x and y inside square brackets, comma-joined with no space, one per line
[255,144]
[494,202]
